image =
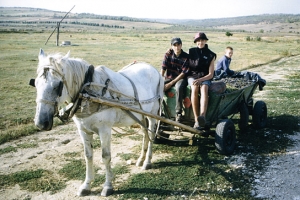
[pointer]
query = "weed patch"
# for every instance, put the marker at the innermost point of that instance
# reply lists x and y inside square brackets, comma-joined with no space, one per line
[35,180]
[8,149]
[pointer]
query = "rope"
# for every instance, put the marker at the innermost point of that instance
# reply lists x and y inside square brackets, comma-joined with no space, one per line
[128,131]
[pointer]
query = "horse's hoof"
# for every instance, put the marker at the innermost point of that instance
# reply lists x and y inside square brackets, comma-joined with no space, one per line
[139,163]
[84,192]
[147,166]
[107,191]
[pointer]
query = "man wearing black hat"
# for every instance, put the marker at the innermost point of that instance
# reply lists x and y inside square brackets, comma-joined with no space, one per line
[200,75]
[174,68]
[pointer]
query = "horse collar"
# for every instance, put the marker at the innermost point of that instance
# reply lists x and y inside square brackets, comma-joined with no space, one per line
[89,75]
[87,79]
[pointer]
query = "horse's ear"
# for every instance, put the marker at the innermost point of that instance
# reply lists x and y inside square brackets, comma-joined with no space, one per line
[41,54]
[68,54]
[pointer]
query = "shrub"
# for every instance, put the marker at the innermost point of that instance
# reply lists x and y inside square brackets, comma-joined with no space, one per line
[228,34]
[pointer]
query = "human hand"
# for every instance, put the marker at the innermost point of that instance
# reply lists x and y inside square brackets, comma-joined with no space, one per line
[168,86]
[169,51]
[196,82]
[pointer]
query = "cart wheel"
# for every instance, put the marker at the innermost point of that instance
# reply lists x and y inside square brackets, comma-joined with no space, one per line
[244,117]
[225,137]
[259,115]
[160,136]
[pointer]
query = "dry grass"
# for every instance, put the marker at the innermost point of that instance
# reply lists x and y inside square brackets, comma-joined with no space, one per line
[114,50]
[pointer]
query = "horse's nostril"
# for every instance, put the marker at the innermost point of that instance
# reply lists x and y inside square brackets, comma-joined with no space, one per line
[47,125]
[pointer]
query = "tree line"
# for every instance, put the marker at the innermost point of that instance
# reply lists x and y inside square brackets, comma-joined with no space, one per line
[63,22]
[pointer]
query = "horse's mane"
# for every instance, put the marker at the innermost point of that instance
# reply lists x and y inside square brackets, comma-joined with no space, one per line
[58,61]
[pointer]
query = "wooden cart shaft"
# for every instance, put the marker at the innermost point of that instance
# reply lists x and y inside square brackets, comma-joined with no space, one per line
[124,107]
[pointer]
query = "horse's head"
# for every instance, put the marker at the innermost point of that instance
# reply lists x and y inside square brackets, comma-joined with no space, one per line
[49,85]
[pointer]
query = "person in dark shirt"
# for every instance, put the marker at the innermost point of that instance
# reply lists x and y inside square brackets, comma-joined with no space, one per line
[174,68]
[200,74]
[223,64]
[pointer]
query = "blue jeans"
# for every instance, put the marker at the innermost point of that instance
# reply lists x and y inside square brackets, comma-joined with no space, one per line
[191,80]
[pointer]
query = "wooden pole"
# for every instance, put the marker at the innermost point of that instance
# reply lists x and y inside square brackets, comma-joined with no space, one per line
[121,106]
[57,36]
[58,27]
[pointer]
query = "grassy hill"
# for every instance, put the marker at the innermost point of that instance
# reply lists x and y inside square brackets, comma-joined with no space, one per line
[287,23]
[12,18]
[254,19]
[28,19]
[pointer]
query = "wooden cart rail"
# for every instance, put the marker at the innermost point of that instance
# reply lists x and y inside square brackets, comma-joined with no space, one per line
[124,107]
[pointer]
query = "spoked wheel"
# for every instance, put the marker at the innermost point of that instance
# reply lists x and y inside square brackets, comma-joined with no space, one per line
[259,115]
[244,117]
[160,136]
[225,138]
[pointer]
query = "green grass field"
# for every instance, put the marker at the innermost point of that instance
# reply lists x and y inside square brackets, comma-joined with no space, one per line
[114,50]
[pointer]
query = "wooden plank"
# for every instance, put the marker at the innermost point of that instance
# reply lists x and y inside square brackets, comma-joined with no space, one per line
[121,106]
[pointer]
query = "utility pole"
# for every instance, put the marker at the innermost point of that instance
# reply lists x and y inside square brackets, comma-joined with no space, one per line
[57,36]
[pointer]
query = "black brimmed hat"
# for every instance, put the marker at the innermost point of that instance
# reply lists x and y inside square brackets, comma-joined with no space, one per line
[200,35]
[176,40]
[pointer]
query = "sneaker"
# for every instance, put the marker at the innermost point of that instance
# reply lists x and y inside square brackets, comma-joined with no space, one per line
[201,121]
[196,126]
[178,118]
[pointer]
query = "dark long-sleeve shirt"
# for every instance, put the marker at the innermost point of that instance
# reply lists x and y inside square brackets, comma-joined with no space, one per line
[175,65]
[223,66]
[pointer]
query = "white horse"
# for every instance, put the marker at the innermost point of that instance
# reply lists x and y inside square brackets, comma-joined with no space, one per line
[60,80]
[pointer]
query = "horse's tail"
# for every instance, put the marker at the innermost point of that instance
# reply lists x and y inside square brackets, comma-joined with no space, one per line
[160,87]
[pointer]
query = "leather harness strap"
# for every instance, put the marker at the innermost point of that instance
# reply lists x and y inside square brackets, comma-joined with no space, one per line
[87,79]
[143,121]
[136,96]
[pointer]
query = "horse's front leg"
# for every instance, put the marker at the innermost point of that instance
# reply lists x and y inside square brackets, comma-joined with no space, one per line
[87,140]
[105,137]
[146,153]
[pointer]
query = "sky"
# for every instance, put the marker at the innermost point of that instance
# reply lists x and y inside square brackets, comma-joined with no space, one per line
[166,9]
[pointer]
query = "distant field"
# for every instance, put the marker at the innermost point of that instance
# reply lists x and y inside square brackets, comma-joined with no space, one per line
[270,28]
[45,20]
[115,50]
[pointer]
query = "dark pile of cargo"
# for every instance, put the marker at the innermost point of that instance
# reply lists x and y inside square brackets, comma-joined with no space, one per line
[241,80]
[233,84]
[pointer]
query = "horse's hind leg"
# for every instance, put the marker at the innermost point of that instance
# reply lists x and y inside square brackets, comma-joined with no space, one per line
[87,140]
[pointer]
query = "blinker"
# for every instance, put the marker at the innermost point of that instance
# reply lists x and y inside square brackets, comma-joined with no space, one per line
[60,88]
[32,82]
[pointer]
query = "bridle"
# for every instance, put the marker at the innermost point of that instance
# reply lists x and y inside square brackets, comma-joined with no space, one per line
[74,99]
[63,83]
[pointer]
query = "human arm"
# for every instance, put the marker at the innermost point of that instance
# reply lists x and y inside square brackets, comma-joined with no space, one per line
[174,81]
[226,68]
[162,72]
